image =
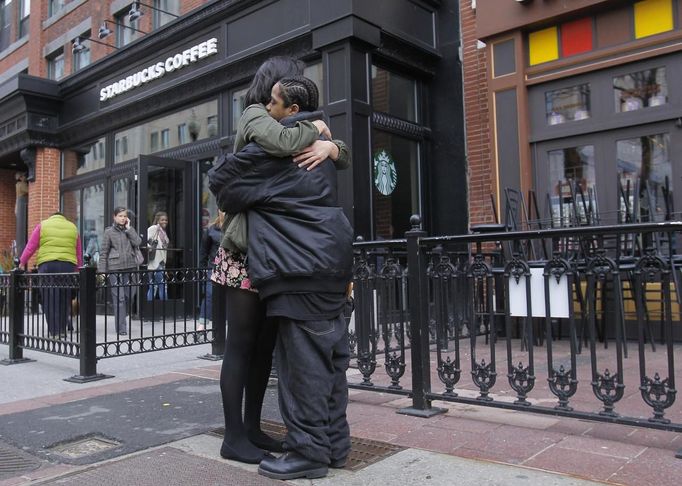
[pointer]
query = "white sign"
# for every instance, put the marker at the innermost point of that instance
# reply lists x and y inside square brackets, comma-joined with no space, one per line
[158,69]
[558,295]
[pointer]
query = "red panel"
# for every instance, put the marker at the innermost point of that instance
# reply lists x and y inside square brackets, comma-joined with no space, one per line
[576,37]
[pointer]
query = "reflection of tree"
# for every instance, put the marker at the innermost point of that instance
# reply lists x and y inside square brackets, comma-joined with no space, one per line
[641,85]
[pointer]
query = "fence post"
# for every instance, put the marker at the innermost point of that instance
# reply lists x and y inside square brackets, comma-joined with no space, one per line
[15,304]
[218,319]
[88,327]
[418,299]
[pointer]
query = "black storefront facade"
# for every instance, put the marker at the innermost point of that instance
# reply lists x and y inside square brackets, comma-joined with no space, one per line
[141,127]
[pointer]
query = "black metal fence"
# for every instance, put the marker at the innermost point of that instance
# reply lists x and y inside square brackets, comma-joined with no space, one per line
[91,316]
[582,322]
[591,330]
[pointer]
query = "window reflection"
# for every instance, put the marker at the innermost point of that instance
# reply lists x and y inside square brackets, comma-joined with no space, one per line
[238,105]
[163,10]
[394,94]
[81,160]
[640,90]
[571,172]
[209,207]
[93,220]
[167,132]
[645,176]
[395,183]
[316,73]
[567,104]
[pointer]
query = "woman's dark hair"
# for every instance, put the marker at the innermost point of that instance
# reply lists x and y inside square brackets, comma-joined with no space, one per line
[120,209]
[299,90]
[271,71]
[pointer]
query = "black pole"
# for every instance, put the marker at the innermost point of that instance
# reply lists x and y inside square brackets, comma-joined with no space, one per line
[88,327]
[419,324]
[218,318]
[15,304]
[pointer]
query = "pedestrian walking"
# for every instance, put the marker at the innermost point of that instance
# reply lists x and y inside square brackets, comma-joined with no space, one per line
[59,248]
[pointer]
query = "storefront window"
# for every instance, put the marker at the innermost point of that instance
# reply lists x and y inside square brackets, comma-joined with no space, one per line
[571,170]
[238,105]
[81,160]
[209,208]
[395,183]
[316,73]
[567,104]
[394,94]
[94,220]
[640,90]
[164,133]
[644,167]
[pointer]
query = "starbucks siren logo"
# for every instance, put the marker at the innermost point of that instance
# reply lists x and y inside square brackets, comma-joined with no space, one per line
[385,173]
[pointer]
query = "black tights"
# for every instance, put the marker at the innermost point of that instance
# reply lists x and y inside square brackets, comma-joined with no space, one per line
[245,371]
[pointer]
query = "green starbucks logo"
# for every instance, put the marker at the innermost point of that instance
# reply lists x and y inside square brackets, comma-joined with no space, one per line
[385,173]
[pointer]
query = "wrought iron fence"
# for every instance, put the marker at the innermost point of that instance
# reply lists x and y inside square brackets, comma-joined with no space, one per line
[4,309]
[91,316]
[547,335]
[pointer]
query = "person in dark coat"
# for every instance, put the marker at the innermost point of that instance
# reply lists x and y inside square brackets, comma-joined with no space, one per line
[118,259]
[300,260]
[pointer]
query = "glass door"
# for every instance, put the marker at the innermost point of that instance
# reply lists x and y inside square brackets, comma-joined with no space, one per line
[165,216]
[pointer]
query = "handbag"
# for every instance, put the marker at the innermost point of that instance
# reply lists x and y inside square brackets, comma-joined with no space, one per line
[139,258]
[236,237]
[151,246]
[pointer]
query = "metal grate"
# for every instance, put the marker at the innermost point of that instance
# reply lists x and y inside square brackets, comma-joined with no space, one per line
[75,449]
[363,452]
[13,461]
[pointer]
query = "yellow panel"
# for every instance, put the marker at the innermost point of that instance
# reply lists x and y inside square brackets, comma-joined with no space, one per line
[543,46]
[653,17]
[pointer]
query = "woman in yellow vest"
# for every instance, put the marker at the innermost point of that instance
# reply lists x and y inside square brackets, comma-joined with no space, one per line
[59,250]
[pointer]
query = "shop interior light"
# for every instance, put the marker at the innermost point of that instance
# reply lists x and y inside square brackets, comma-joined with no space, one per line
[136,13]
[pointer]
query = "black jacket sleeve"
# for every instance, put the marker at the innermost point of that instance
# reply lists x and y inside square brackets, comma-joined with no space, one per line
[237,181]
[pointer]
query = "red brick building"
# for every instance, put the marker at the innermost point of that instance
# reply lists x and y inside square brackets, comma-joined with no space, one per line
[574,100]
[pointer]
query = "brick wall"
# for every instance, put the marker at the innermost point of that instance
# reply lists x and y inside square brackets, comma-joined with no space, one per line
[476,108]
[7,217]
[43,194]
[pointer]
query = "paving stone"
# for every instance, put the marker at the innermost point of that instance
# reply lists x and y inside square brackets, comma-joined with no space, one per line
[577,462]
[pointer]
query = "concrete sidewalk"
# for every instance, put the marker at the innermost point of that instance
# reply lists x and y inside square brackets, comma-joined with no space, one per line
[155,423]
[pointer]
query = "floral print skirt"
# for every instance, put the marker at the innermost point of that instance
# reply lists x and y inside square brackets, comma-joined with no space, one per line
[229,268]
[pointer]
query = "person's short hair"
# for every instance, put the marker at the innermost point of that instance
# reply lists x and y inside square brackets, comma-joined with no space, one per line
[271,71]
[301,91]
[120,209]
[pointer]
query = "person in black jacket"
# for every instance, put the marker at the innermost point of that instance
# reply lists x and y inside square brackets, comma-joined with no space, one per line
[300,260]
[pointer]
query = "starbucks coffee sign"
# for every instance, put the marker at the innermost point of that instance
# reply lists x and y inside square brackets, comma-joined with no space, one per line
[385,173]
[159,69]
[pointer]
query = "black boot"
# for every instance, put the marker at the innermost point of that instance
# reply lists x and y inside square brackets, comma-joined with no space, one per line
[292,465]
